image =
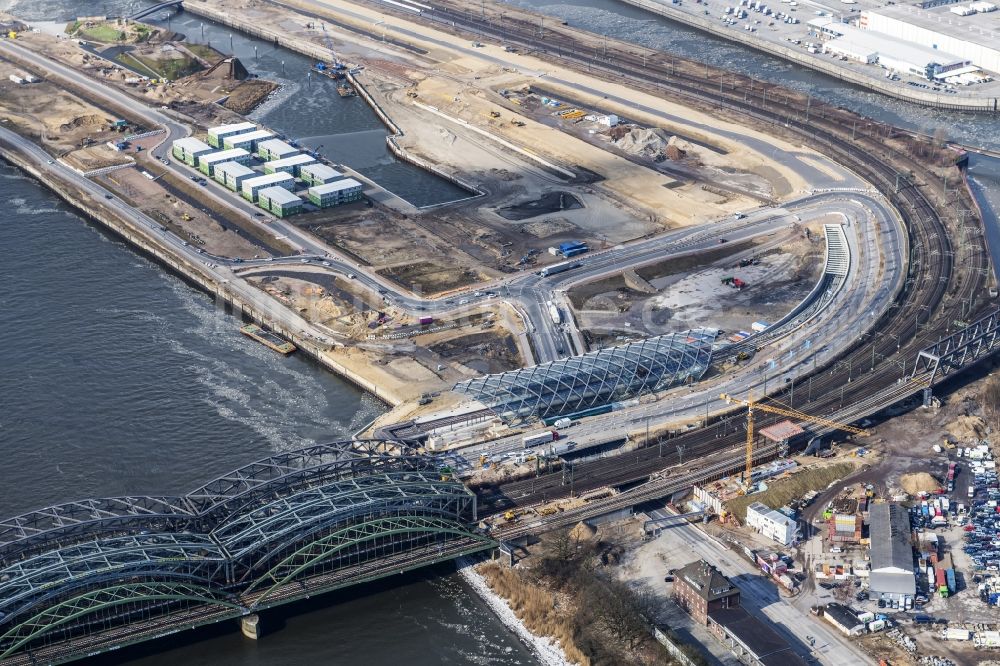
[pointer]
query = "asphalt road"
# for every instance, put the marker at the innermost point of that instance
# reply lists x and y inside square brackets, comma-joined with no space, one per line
[867,290]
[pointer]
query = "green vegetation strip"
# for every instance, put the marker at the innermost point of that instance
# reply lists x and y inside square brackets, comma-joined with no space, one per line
[783,491]
[103,33]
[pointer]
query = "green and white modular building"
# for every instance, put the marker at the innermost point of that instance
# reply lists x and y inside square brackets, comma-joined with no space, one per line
[248,141]
[288,165]
[189,149]
[218,135]
[318,174]
[336,193]
[232,174]
[275,149]
[279,201]
[252,186]
[207,163]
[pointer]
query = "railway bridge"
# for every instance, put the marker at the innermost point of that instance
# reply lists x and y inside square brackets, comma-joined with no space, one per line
[94,575]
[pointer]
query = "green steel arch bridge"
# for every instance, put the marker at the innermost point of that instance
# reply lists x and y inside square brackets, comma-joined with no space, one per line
[94,575]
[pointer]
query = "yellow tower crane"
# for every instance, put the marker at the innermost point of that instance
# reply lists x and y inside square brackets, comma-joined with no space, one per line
[751,405]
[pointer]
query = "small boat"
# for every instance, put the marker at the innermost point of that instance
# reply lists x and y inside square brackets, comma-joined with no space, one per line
[346,90]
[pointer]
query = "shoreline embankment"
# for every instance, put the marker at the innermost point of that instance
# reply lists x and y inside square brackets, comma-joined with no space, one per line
[546,649]
[139,240]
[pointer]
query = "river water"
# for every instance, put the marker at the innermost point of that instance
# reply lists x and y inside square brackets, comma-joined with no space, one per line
[122,379]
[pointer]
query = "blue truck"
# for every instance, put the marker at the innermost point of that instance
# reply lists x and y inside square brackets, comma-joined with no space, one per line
[572,248]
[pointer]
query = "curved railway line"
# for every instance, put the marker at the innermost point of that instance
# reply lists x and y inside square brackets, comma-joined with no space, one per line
[933,296]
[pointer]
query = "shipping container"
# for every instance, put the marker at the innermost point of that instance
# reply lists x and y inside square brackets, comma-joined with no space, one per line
[426,320]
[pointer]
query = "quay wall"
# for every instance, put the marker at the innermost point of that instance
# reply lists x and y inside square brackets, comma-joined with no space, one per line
[139,238]
[826,66]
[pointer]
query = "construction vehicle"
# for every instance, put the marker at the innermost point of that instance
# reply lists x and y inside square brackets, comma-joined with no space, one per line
[509,515]
[186,217]
[411,94]
[335,69]
[494,114]
[752,405]
[517,123]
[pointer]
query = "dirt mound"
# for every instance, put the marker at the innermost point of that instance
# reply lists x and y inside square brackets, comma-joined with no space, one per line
[91,120]
[644,142]
[582,532]
[920,482]
[966,428]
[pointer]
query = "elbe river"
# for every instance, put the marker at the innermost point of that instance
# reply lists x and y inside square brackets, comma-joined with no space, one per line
[119,378]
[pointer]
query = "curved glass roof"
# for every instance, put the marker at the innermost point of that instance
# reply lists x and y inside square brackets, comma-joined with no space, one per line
[595,379]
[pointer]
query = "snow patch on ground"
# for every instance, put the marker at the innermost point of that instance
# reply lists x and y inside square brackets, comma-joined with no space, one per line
[546,649]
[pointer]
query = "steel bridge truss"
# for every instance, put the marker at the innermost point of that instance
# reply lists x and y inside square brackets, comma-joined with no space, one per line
[959,350]
[106,572]
[366,540]
[68,618]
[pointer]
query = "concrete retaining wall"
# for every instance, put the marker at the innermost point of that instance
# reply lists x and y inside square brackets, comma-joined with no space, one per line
[826,66]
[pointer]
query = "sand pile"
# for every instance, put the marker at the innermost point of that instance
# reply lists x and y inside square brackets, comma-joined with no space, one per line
[90,120]
[966,428]
[651,143]
[921,482]
[582,532]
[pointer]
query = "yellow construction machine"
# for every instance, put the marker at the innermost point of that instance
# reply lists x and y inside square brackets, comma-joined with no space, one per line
[753,405]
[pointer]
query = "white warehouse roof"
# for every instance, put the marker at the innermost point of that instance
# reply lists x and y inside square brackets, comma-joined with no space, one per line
[278,146]
[191,145]
[893,48]
[234,169]
[337,186]
[279,195]
[234,127]
[223,156]
[250,136]
[322,171]
[267,179]
[294,160]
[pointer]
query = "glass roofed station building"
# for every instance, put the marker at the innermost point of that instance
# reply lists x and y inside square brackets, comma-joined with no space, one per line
[597,379]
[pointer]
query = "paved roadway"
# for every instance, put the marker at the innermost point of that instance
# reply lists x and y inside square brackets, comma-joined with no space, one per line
[684,543]
[529,293]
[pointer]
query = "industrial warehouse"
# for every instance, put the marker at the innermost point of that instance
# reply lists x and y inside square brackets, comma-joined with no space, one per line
[271,185]
[970,31]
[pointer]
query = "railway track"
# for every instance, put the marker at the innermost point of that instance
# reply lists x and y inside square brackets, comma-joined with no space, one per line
[866,376]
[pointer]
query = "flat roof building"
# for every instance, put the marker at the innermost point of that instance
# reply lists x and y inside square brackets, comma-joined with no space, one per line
[772,524]
[318,174]
[892,574]
[232,174]
[335,193]
[275,149]
[974,38]
[890,52]
[251,186]
[844,619]
[289,164]
[189,149]
[248,140]
[207,163]
[279,201]
[752,640]
[217,135]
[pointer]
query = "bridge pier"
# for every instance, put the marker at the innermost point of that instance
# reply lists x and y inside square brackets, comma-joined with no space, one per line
[928,396]
[250,626]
